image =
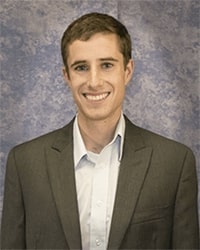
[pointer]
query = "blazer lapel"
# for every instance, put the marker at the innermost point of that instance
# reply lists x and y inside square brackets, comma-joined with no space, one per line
[133,169]
[62,178]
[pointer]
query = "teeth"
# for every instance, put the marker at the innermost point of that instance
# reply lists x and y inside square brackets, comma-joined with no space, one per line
[97,97]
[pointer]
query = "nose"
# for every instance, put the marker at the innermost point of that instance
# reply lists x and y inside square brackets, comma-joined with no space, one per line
[94,80]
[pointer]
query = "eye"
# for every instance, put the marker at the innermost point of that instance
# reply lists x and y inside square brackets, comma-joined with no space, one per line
[82,67]
[107,65]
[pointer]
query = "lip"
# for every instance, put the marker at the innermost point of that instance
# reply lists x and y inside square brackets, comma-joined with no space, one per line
[97,97]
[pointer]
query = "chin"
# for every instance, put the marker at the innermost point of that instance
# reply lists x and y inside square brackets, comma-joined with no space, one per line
[96,116]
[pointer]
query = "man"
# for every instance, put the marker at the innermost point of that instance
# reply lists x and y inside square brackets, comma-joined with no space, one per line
[100,182]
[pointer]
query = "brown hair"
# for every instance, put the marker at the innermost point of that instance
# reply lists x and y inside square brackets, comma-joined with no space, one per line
[88,25]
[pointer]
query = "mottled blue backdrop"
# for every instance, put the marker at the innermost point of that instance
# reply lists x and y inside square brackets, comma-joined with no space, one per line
[163,95]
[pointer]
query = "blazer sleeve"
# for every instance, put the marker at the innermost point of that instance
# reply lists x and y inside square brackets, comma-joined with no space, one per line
[13,218]
[186,228]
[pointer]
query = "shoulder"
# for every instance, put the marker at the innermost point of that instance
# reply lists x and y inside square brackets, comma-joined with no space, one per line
[160,144]
[61,135]
[167,156]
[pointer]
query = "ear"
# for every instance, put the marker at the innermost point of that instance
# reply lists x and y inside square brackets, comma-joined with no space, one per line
[66,75]
[129,71]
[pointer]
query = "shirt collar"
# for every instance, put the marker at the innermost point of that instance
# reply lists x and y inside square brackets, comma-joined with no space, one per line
[79,146]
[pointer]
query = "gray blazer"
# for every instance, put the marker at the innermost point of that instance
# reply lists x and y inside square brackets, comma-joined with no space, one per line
[155,205]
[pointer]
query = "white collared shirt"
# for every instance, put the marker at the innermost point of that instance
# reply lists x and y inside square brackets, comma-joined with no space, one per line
[96,182]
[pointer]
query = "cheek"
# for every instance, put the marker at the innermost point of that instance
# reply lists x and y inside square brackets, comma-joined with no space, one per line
[114,77]
[77,81]
[74,82]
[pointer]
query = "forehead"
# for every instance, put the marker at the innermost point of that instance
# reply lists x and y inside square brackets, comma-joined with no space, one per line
[97,45]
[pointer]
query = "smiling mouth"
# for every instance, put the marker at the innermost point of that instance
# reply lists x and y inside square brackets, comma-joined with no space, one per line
[99,97]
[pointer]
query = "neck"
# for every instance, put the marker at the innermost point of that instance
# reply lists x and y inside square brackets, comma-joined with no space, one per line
[97,134]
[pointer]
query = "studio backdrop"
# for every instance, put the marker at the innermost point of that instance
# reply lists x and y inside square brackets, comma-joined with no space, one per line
[163,95]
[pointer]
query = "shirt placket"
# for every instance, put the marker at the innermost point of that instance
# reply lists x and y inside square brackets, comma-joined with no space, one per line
[99,205]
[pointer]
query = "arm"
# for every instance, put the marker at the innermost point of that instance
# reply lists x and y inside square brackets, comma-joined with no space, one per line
[186,228]
[12,228]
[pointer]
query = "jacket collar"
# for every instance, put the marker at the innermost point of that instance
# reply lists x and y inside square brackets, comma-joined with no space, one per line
[62,180]
[133,170]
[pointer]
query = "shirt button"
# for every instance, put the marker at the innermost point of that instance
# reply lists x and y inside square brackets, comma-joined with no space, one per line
[98,242]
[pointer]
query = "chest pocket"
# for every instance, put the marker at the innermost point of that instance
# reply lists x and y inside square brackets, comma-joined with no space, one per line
[152,214]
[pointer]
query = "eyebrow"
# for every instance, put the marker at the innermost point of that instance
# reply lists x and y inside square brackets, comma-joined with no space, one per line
[77,62]
[109,59]
[101,59]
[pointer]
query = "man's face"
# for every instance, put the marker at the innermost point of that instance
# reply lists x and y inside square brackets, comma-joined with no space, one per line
[97,76]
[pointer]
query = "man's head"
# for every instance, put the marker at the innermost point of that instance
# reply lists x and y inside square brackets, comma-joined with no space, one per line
[96,51]
[90,24]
